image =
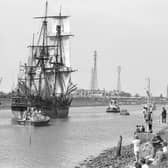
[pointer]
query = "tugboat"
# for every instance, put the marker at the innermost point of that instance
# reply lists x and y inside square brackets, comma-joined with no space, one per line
[46,81]
[124,112]
[113,107]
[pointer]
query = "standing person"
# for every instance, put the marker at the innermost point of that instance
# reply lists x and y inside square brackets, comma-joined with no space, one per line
[136,142]
[165,149]
[144,111]
[164,114]
[150,122]
[157,142]
[148,118]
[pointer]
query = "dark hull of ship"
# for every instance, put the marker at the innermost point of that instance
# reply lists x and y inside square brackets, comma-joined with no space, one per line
[53,107]
[16,107]
[54,111]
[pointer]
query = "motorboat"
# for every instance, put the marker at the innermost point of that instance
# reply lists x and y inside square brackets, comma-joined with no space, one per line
[113,107]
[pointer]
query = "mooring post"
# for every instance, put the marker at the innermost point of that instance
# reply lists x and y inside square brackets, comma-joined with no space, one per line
[119,145]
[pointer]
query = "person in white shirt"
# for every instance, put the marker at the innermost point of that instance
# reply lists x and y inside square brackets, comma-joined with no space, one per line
[136,142]
[144,163]
[165,150]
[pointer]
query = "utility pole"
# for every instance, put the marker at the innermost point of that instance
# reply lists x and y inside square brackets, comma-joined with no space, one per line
[118,79]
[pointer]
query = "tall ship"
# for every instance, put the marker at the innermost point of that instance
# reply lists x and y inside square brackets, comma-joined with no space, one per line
[45,80]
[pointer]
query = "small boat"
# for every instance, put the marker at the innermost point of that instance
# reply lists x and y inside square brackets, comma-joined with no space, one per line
[41,122]
[113,107]
[33,117]
[124,112]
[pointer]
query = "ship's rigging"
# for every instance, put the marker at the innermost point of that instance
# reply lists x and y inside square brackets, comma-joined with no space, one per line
[47,74]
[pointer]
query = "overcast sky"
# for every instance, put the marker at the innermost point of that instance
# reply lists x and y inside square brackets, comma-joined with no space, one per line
[129,33]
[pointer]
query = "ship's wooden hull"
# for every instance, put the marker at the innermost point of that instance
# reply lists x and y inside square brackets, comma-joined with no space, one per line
[54,111]
[18,107]
[52,107]
[19,103]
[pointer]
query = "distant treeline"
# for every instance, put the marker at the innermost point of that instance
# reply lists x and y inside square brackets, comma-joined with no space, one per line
[5,95]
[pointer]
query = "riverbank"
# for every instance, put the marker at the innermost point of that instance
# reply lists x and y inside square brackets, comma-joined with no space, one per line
[77,102]
[108,159]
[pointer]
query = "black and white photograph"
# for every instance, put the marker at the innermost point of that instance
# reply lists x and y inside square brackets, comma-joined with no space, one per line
[83,83]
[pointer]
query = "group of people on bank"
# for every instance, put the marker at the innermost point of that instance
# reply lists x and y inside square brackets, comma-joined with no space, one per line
[148,116]
[158,154]
[159,146]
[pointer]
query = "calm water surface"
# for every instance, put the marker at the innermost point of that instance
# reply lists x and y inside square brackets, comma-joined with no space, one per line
[66,142]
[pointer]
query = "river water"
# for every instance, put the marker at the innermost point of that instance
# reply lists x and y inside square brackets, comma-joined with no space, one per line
[66,142]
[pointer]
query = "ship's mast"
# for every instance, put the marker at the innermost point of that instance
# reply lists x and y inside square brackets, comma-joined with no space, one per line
[53,58]
[31,66]
[42,49]
[58,54]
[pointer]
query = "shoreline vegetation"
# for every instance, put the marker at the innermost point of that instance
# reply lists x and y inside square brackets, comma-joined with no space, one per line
[108,159]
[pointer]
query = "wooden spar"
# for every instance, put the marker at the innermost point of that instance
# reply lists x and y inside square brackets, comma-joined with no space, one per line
[23,79]
[62,35]
[41,46]
[44,51]
[52,17]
